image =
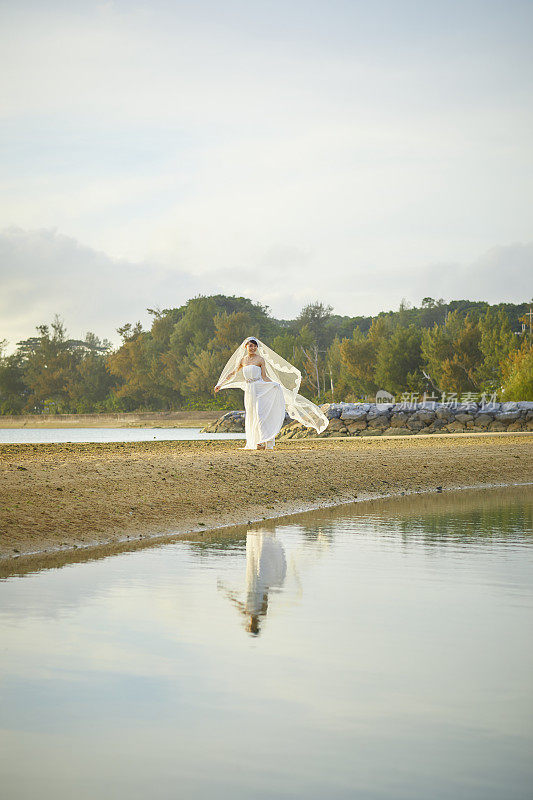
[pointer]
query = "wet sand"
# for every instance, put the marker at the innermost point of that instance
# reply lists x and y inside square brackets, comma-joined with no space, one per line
[65,496]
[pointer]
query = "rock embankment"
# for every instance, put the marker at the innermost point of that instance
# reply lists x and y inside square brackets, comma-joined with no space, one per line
[399,419]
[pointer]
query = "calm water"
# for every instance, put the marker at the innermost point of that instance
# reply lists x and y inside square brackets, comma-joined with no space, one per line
[379,651]
[62,435]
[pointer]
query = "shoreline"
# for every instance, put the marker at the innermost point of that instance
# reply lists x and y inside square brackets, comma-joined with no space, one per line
[77,497]
[55,558]
[146,419]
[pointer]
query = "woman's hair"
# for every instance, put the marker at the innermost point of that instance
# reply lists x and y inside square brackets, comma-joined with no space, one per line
[252,340]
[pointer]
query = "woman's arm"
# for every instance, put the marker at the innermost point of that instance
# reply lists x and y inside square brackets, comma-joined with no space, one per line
[219,386]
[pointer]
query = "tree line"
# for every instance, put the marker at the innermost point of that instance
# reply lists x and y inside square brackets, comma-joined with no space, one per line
[461,347]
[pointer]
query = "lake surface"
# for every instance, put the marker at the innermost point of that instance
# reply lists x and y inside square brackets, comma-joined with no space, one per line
[64,435]
[380,651]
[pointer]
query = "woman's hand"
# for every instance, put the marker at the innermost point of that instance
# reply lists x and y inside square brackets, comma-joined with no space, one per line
[216,389]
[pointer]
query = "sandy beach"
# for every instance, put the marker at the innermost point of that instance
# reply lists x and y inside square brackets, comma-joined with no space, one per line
[64,496]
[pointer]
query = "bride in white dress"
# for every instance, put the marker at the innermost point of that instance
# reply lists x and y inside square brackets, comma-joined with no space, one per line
[270,388]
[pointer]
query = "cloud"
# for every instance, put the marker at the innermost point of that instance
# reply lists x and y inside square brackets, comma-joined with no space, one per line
[44,272]
[501,274]
[347,154]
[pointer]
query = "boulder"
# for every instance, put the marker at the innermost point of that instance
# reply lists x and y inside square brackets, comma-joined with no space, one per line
[525,405]
[496,426]
[424,415]
[384,407]
[455,427]
[377,411]
[463,416]
[435,426]
[483,420]
[353,411]
[519,425]
[399,419]
[378,422]
[511,406]
[332,410]
[490,408]
[336,425]
[394,431]
[488,411]
[505,417]
[298,426]
[287,434]
[415,425]
[353,426]
[466,408]
[444,412]
[300,434]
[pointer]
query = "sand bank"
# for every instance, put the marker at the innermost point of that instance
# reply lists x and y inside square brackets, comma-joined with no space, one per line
[65,496]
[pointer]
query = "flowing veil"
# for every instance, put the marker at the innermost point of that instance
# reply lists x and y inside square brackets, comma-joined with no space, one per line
[279,370]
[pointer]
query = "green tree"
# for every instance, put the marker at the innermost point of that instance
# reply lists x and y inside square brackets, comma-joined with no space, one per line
[452,354]
[299,348]
[359,356]
[340,387]
[204,368]
[496,343]
[89,386]
[203,374]
[517,372]
[13,390]
[49,362]
[399,361]
[137,366]
[315,317]
[312,326]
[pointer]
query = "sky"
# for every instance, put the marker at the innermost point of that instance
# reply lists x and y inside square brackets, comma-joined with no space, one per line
[350,152]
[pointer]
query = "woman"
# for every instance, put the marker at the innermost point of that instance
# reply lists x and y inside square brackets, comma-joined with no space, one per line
[270,388]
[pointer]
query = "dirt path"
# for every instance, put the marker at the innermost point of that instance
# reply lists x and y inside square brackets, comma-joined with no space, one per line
[71,495]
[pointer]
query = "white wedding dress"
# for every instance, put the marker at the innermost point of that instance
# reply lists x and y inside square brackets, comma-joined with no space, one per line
[264,405]
[266,401]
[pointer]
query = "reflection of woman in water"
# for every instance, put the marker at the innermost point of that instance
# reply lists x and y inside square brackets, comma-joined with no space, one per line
[266,568]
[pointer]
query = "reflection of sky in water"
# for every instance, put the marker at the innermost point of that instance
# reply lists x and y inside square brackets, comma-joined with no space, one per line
[383,665]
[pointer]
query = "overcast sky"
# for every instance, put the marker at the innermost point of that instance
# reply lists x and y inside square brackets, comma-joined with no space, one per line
[353,152]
